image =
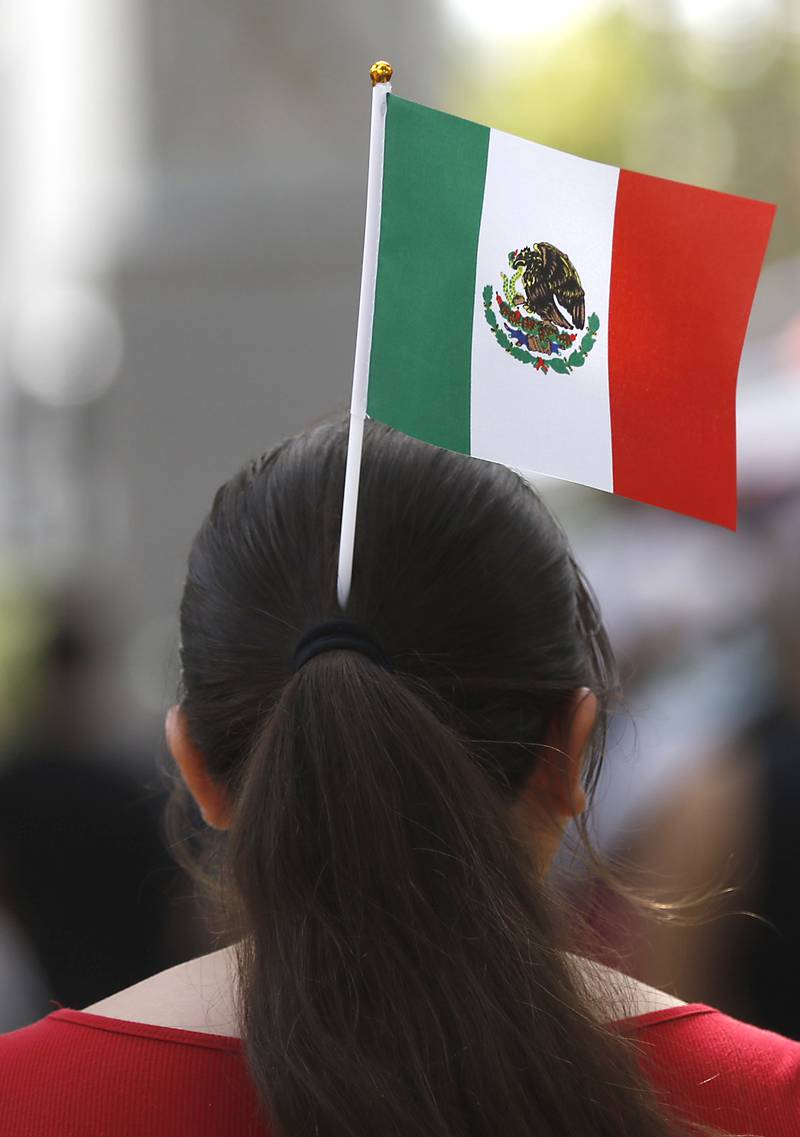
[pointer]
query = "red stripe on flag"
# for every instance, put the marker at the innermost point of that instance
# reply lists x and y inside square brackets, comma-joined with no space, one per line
[683,273]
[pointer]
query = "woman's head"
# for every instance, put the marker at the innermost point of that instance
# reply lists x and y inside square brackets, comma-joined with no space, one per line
[400,967]
[461,573]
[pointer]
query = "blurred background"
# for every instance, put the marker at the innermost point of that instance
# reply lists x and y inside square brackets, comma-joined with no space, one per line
[182,188]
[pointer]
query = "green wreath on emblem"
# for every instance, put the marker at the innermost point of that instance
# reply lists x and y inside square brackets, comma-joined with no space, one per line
[547,359]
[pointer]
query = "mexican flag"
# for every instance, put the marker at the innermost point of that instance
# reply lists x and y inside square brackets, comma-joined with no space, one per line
[559,315]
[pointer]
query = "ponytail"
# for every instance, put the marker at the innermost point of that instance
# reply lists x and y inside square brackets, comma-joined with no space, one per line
[401,977]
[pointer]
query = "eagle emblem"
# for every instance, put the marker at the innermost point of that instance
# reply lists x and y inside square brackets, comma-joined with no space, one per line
[540,324]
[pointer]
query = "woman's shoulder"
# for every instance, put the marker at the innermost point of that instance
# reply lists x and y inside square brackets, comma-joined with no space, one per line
[722,1071]
[713,1067]
[76,1073]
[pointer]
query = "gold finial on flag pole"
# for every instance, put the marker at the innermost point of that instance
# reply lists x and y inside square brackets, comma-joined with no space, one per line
[381,72]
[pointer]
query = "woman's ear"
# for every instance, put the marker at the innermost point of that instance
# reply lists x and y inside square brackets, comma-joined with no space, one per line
[556,780]
[212,798]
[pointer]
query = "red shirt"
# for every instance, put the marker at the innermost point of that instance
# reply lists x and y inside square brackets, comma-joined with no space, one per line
[74,1074]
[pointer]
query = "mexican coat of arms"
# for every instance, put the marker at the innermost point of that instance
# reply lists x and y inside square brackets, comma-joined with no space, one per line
[541,323]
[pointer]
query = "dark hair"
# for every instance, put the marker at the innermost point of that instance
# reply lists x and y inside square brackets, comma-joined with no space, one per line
[401,965]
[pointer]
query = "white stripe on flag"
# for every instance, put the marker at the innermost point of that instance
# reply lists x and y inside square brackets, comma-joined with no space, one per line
[533,193]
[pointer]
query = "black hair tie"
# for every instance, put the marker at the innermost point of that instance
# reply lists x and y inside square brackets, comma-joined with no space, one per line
[335,634]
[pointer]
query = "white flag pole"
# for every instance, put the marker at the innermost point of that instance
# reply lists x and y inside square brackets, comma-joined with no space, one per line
[381,74]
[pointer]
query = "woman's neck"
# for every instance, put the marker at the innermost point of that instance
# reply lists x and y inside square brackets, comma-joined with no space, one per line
[199,995]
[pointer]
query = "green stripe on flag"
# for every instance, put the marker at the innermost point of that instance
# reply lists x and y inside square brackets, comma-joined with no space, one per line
[434,170]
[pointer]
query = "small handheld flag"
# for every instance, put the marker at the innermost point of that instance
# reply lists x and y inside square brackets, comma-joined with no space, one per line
[555,314]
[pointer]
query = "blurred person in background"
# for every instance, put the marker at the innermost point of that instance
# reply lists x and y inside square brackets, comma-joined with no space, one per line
[729,813]
[385,796]
[771,949]
[84,872]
